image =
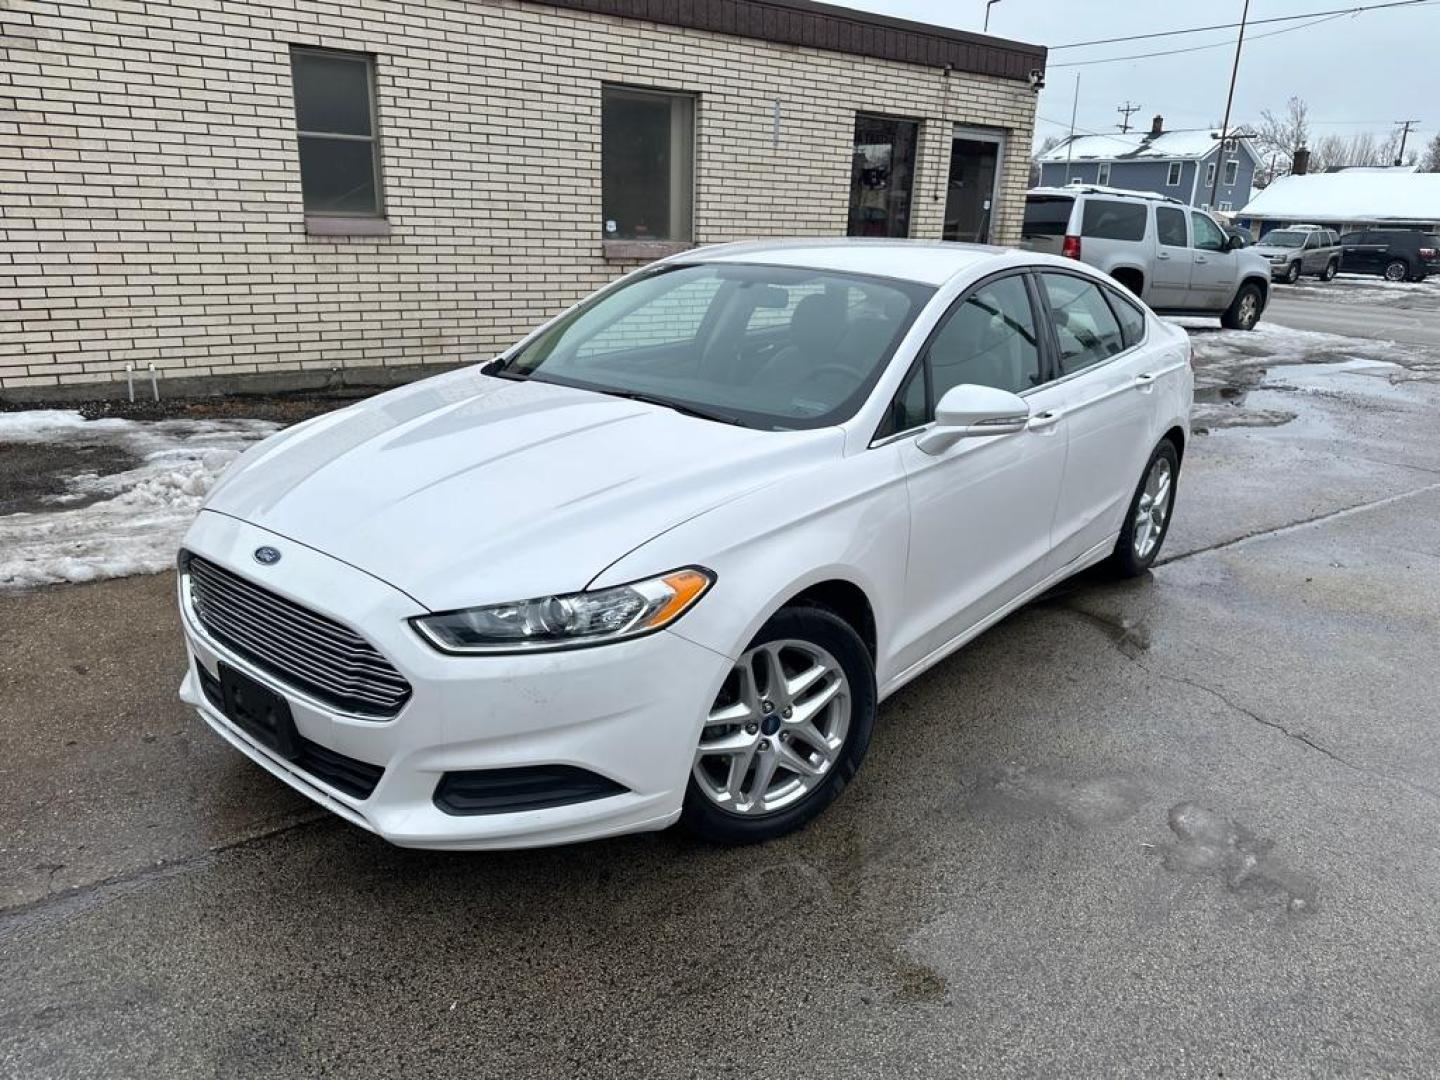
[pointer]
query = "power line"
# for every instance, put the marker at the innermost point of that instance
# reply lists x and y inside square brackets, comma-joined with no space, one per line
[1215,45]
[1231,26]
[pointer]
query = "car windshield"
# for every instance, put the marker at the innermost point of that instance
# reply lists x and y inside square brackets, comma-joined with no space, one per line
[765,346]
[1285,238]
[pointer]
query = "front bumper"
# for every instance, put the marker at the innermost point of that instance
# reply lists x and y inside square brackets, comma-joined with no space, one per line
[630,711]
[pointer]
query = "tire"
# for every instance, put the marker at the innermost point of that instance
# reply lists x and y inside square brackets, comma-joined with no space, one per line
[810,634]
[1331,269]
[1397,270]
[1292,273]
[1131,559]
[1244,311]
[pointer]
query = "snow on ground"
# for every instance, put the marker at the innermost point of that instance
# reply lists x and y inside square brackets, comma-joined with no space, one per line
[1363,289]
[127,522]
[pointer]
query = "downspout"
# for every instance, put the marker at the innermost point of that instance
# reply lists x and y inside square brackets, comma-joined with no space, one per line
[1195,181]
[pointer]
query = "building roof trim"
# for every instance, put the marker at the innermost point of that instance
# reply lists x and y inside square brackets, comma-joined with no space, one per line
[810,24]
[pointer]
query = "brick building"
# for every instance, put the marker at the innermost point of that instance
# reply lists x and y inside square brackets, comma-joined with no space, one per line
[284,188]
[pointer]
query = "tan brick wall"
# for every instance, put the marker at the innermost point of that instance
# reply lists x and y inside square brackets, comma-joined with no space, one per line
[150,189]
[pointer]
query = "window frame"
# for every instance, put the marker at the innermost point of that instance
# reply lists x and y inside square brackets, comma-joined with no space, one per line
[1231,176]
[372,67]
[1102,174]
[1177,170]
[1209,174]
[693,148]
[1044,345]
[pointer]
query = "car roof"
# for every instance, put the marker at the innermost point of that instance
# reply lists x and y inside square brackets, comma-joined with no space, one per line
[927,262]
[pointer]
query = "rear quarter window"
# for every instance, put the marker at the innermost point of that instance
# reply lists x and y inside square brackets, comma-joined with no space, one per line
[1132,320]
[1047,215]
[1107,219]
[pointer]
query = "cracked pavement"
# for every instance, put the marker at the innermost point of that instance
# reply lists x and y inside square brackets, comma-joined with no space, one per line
[1177,826]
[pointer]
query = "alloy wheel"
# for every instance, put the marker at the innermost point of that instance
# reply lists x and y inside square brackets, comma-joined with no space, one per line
[776,729]
[1396,271]
[1249,310]
[1153,508]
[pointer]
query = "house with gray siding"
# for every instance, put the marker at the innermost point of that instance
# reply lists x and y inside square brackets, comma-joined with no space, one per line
[1181,164]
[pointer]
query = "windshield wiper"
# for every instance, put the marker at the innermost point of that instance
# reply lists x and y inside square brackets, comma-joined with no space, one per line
[679,406]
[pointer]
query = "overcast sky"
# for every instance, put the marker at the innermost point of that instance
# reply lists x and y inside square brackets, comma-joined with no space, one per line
[1357,72]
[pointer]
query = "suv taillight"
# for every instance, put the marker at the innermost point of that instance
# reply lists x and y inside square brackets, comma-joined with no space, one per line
[1071,247]
[1427,253]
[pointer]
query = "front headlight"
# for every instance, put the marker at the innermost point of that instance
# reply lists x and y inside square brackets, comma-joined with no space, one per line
[566,622]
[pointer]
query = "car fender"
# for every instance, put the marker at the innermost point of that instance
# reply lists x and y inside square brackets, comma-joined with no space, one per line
[848,521]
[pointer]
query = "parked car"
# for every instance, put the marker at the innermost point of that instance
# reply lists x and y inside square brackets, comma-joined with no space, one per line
[661,559]
[1394,254]
[1177,259]
[1301,250]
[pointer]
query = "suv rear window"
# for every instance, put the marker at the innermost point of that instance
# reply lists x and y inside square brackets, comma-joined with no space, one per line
[1047,215]
[1106,219]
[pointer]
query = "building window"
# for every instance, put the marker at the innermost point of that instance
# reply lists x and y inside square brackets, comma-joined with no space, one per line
[335,118]
[647,164]
[1173,180]
[1226,207]
[882,174]
[1210,175]
[1103,178]
[1232,172]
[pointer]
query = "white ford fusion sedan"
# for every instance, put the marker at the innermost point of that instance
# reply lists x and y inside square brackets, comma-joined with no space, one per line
[661,560]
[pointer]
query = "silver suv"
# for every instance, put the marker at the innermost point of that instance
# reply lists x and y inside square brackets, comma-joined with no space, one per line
[1300,249]
[1174,257]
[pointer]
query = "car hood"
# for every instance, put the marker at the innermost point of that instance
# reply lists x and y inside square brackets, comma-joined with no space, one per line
[1273,249]
[466,489]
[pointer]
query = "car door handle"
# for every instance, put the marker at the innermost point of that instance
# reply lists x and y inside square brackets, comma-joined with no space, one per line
[1201,259]
[1162,256]
[1145,382]
[1044,422]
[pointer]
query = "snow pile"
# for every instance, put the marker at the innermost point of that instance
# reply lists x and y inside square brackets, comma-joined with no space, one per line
[1167,146]
[131,521]
[1349,196]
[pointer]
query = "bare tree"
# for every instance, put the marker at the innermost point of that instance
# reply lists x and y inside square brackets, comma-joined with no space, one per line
[1432,156]
[1279,136]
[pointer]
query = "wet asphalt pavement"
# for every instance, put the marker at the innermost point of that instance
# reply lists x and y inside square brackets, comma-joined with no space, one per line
[1180,826]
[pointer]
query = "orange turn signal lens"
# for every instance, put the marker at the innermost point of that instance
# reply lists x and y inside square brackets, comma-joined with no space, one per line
[686,586]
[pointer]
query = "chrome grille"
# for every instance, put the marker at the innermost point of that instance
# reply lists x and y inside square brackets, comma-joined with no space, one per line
[307,651]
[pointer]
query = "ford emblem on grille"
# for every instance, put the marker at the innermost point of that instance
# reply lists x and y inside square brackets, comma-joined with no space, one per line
[267,556]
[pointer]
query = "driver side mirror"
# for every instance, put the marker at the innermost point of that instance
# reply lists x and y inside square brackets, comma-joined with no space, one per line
[971,411]
[1234,243]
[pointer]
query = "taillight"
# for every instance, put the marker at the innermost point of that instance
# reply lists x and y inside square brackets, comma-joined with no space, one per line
[1071,247]
[1427,253]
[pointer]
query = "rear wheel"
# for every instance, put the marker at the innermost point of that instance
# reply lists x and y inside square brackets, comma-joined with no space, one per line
[1331,269]
[787,731]
[1244,311]
[1148,519]
[1397,270]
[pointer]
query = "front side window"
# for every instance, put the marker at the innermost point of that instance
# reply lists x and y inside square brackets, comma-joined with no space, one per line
[1208,236]
[647,151]
[1110,219]
[770,347]
[1170,227]
[335,118]
[882,176]
[1173,179]
[1232,172]
[1086,330]
[988,340]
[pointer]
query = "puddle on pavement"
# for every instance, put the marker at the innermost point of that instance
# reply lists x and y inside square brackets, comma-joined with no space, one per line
[1017,791]
[1207,844]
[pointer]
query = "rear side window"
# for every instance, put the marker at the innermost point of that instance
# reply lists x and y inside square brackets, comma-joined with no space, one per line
[1170,227]
[1108,219]
[1047,215]
[1132,319]
[1085,328]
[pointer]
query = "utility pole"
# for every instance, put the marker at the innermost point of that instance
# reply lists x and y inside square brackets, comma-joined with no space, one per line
[1070,142]
[1126,110]
[1405,126]
[1229,100]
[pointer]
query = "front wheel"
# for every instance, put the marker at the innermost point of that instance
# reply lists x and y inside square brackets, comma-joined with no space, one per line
[1397,270]
[1331,269]
[1292,275]
[1244,311]
[1148,519]
[787,731]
